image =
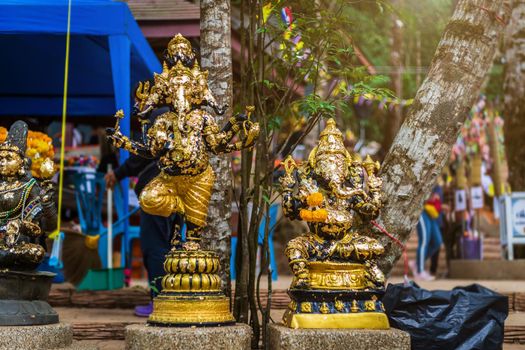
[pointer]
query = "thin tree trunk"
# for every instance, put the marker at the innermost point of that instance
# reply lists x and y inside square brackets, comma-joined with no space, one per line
[216,57]
[423,144]
[514,92]
[241,305]
[395,116]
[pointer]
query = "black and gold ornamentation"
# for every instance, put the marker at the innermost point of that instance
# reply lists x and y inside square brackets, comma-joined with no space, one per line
[181,139]
[337,283]
[27,212]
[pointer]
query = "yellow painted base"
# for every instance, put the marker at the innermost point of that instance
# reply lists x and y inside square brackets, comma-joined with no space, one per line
[362,320]
[191,310]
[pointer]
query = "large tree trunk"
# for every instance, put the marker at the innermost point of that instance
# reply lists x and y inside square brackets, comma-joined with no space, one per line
[423,144]
[514,91]
[395,116]
[217,59]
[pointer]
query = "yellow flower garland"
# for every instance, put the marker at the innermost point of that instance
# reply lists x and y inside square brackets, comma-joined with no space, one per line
[39,148]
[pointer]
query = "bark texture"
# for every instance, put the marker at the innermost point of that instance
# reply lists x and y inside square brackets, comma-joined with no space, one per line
[424,141]
[217,59]
[514,92]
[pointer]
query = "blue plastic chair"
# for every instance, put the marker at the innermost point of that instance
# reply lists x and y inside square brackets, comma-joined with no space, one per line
[119,226]
[89,194]
[274,211]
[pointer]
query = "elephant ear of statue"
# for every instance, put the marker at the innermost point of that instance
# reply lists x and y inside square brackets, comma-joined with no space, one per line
[17,136]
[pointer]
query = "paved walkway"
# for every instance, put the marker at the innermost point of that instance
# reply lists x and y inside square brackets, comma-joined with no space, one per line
[444,284]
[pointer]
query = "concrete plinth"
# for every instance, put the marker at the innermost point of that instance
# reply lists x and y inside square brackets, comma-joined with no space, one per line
[284,338]
[51,336]
[144,337]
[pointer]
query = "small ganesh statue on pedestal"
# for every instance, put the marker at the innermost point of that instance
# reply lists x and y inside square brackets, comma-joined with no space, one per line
[337,283]
[181,140]
[27,212]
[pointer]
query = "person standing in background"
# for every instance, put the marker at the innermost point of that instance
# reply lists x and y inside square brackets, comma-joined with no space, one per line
[155,231]
[429,236]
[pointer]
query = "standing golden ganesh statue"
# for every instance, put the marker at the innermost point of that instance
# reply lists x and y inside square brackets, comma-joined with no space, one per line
[27,213]
[337,283]
[181,140]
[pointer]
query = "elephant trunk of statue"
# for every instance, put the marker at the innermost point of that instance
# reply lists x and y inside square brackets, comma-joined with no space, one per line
[181,104]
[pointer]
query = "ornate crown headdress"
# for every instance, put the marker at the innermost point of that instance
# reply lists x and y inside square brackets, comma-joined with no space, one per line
[179,39]
[16,138]
[179,49]
[330,142]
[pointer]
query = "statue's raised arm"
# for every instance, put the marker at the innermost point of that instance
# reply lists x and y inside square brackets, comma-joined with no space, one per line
[218,142]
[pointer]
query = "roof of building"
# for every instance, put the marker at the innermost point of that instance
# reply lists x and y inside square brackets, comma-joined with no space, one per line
[164,10]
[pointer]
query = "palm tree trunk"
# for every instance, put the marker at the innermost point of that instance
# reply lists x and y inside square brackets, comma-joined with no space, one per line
[216,57]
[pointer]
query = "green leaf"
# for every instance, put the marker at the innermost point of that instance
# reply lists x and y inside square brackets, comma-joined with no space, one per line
[268,84]
[274,123]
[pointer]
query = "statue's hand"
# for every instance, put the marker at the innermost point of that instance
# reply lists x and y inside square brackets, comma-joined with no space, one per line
[31,229]
[368,209]
[135,111]
[252,132]
[47,192]
[110,131]
[115,137]
[241,117]
[144,114]
[287,181]
[253,129]
[12,231]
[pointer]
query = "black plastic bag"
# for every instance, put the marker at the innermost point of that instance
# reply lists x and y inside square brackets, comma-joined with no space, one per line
[465,318]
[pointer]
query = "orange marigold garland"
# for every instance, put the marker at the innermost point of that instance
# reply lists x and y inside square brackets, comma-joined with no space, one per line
[319,215]
[39,149]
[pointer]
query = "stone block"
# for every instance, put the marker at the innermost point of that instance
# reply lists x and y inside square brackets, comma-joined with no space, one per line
[144,337]
[51,336]
[284,338]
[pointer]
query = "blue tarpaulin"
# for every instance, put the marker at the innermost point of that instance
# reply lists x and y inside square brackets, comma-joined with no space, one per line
[108,54]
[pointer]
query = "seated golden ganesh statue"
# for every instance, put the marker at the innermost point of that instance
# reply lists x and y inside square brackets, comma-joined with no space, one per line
[27,213]
[180,140]
[337,283]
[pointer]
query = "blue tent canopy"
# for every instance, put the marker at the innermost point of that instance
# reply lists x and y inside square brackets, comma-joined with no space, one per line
[108,54]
